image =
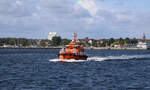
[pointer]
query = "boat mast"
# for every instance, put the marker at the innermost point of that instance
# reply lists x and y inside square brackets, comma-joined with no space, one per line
[75,37]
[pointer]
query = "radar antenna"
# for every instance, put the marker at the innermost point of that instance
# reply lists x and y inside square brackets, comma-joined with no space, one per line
[75,36]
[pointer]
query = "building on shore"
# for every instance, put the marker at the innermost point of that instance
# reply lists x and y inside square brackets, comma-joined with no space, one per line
[92,42]
[51,35]
[8,46]
[143,43]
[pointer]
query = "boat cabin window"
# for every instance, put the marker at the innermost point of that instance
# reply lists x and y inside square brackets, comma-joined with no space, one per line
[70,54]
[63,50]
[74,50]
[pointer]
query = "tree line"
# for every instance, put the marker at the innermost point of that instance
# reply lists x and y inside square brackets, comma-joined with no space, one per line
[57,41]
[16,41]
[110,42]
[120,41]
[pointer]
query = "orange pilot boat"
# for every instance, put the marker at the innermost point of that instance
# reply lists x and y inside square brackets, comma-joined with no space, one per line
[73,51]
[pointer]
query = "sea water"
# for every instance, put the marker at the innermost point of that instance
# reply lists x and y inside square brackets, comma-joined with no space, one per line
[40,69]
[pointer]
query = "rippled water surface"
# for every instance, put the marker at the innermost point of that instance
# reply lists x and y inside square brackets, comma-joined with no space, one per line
[26,69]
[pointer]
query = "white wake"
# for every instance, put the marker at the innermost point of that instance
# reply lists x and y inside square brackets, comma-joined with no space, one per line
[99,58]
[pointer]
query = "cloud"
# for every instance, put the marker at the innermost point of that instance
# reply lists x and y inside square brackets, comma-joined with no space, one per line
[35,19]
[16,8]
[89,5]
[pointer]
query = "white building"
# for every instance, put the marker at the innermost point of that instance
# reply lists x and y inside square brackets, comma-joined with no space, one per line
[51,35]
[143,45]
[8,45]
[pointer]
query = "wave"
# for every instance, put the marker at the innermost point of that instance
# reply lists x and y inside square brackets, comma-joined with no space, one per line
[98,58]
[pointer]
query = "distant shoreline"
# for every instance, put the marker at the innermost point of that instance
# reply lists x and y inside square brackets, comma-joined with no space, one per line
[87,48]
[105,48]
[29,48]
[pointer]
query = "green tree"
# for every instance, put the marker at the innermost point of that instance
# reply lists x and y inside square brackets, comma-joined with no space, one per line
[86,43]
[134,41]
[110,41]
[56,40]
[121,41]
[17,41]
[81,43]
[42,43]
[116,43]
[65,41]
[94,43]
[104,44]
[1,42]
[127,40]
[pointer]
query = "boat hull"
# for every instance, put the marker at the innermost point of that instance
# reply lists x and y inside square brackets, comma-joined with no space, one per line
[73,56]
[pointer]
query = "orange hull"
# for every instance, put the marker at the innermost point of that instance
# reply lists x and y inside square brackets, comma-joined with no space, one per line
[73,56]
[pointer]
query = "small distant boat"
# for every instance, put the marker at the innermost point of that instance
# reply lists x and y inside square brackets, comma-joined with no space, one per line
[73,51]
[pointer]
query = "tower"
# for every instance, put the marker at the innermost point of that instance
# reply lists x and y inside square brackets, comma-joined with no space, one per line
[51,35]
[144,37]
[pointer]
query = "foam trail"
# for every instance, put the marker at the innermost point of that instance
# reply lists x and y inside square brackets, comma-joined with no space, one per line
[123,57]
[65,60]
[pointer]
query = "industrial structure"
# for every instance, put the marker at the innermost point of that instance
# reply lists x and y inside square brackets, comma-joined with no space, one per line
[51,35]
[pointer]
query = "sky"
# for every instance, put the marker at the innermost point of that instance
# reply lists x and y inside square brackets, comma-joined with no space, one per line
[88,18]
